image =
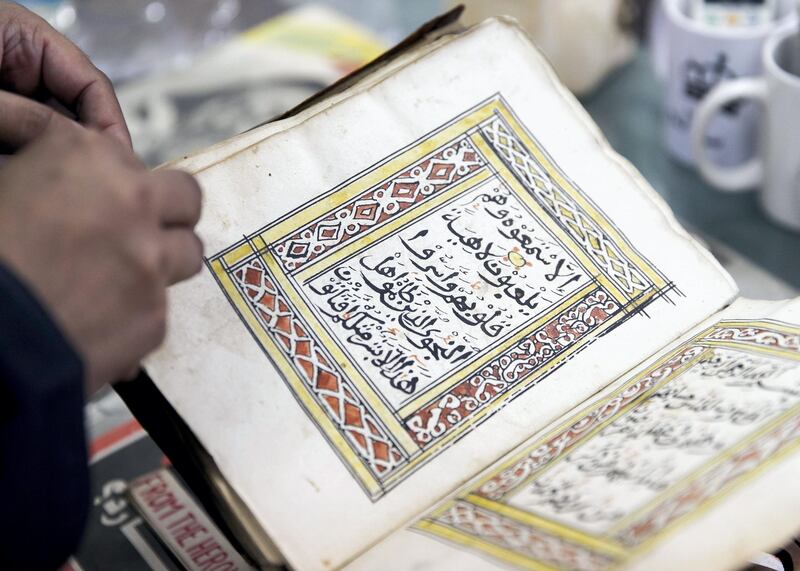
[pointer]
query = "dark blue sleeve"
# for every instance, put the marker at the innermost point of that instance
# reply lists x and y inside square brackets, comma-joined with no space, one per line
[44,479]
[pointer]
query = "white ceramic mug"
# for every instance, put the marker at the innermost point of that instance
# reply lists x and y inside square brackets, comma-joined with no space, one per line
[696,57]
[776,168]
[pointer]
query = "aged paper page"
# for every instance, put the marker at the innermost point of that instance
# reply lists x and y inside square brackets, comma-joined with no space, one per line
[690,463]
[407,284]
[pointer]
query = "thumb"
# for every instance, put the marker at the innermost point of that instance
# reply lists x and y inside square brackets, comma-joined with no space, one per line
[23,120]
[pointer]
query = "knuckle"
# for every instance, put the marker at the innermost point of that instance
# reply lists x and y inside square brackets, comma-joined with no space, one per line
[93,140]
[189,183]
[150,264]
[20,14]
[104,80]
[13,20]
[181,178]
[80,141]
[188,179]
[197,256]
[138,199]
[34,118]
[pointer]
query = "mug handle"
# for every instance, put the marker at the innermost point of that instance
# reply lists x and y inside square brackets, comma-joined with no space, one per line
[729,179]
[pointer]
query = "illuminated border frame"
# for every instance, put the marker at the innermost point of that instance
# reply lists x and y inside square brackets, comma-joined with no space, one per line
[381,447]
[660,516]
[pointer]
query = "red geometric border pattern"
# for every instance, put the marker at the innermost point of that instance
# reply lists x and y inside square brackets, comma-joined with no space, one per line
[522,539]
[559,444]
[434,421]
[410,187]
[757,336]
[711,483]
[539,545]
[453,162]
[321,377]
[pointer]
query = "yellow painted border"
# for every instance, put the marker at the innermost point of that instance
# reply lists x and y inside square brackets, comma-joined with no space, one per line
[465,127]
[605,542]
[316,267]
[442,387]
[727,454]
[490,409]
[709,503]
[777,326]
[299,388]
[470,541]
[616,237]
[744,346]
[531,520]
[622,410]
[367,392]
[376,176]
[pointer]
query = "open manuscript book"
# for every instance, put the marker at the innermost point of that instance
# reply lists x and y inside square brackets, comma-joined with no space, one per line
[444,326]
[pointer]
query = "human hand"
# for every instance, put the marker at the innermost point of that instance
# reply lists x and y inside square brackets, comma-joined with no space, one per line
[98,238]
[38,63]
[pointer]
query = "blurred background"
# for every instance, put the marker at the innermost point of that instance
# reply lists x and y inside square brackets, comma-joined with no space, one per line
[191,73]
[128,38]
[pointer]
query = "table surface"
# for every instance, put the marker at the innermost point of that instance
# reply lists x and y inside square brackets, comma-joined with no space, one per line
[628,109]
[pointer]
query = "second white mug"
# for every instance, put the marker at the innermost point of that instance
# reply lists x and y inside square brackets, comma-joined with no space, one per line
[698,56]
[776,166]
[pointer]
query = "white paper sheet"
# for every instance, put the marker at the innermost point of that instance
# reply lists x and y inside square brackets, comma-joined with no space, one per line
[332,452]
[691,462]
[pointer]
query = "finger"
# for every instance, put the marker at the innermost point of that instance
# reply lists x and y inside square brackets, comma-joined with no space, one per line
[37,58]
[179,198]
[23,120]
[131,374]
[72,79]
[182,254]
